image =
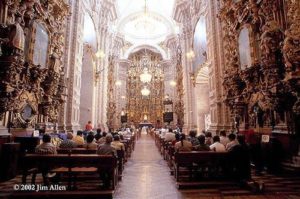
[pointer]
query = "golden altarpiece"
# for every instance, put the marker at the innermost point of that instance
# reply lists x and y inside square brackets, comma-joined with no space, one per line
[262,68]
[32,78]
[145,97]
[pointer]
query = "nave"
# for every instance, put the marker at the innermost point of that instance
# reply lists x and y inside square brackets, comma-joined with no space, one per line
[147,175]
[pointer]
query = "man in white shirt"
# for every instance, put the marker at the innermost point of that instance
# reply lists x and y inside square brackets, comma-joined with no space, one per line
[169,136]
[217,146]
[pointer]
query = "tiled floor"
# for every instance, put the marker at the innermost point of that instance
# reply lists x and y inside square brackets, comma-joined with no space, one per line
[146,174]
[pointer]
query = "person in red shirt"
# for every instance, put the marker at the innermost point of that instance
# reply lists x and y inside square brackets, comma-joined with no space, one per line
[88,126]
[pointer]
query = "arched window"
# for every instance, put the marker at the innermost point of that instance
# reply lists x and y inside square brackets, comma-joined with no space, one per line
[244,48]
[200,43]
[40,46]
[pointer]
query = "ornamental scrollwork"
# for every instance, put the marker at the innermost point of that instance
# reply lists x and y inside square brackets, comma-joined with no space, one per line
[20,73]
[274,43]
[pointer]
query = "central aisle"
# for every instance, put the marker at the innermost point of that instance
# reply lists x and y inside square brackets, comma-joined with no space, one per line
[146,174]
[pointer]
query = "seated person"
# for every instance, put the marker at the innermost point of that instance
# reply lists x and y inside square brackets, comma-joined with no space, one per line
[98,135]
[201,146]
[68,143]
[117,144]
[223,139]
[193,138]
[240,159]
[183,144]
[217,146]
[232,141]
[169,136]
[177,139]
[102,139]
[46,147]
[78,139]
[106,148]
[203,132]
[208,138]
[90,142]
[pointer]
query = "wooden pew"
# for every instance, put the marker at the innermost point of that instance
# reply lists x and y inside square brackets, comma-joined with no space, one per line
[71,164]
[120,155]
[76,151]
[213,161]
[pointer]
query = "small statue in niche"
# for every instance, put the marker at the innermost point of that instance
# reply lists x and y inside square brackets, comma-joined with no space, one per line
[55,61]
[291,49]
[17,38]
[14,43]
[270,43]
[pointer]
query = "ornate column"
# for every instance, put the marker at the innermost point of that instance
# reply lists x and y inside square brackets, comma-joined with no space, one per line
[121,98]
[74,66]
[189,97]
[219,112]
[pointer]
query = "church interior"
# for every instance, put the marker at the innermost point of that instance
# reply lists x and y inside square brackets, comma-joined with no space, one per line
[158,99]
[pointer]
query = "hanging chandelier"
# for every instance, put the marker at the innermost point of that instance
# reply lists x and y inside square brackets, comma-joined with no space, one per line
[145,77]
[145,91]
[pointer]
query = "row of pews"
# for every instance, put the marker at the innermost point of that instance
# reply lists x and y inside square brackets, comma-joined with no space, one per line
[201,169]
[75,166]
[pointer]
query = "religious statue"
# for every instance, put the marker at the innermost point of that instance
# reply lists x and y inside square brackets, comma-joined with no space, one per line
[291,50]
[54,61]
[13,44]
[16,36]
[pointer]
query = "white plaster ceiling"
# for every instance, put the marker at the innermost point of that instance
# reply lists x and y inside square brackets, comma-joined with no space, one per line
[150,26]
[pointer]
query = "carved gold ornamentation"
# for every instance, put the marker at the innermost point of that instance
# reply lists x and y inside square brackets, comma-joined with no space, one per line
[141,107]
[111,106]
[261,86]
[18,73]
[179,105]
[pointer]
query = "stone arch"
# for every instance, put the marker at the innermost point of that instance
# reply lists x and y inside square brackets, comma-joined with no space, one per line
[153,47]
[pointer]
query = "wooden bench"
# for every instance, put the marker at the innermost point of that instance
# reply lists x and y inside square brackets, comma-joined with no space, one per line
[70,164]
[120,155]
[76,151]
[209,162]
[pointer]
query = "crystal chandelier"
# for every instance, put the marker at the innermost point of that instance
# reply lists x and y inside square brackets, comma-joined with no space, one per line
[145,77]
[145,91]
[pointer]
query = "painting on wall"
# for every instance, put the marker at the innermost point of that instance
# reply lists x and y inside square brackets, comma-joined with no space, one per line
[40,50]
[200,44]
[244,48]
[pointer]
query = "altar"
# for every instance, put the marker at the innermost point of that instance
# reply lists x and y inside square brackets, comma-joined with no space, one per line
[147,124]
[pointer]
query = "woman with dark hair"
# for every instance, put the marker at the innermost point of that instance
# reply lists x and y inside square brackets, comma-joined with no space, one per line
[177,139]
[201,146]
[208,138]
[193,138]
[98,135]
[183,144]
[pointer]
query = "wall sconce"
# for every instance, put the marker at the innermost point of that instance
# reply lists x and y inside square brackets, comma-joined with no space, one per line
[190,55]
[100,54]
[118,83]
[173,83]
